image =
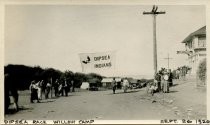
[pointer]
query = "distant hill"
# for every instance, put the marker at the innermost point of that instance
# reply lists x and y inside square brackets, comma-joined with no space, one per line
[137,76]
[141,76]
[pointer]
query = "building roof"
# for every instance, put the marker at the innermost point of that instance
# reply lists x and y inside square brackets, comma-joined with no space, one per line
[118,79]
[93,80]
[111,79]
[107,80]
[199,32]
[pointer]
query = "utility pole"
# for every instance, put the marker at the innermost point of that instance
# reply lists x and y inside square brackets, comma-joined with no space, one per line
[168,60]
[154,13]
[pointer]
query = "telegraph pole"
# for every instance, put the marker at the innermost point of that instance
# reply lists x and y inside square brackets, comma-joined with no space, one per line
[154,13]
[168,60]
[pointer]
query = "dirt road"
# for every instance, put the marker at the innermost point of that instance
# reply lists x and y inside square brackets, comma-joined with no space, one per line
[103,105]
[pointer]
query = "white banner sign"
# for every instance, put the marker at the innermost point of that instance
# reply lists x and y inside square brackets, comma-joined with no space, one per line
[97,61]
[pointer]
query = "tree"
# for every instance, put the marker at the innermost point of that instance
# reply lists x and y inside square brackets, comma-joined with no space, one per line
[67,75]
[49,74]
[20,76]
[201,72]
[79,78]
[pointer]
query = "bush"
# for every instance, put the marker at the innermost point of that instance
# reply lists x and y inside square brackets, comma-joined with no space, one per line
[201,72]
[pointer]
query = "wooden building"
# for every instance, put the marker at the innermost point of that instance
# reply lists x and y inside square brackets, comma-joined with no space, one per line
[195,45]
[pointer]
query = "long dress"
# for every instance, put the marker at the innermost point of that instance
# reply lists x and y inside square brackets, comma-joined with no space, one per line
[34,94]
[39,90]
[125,85]
[48,87]
[165,86]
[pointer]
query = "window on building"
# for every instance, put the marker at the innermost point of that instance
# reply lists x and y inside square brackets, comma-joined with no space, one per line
[201,42]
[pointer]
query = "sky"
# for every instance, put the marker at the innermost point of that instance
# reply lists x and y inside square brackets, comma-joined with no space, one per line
[54,35]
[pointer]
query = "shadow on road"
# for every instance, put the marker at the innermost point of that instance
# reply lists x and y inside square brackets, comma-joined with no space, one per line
[54,98]
[47,101]
[20,108]
[24,108]
[173,91]
[124,92]
[174,85]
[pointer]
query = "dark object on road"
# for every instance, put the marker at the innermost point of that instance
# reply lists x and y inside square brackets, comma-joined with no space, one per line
[143,84]
[153,101]
[93,88]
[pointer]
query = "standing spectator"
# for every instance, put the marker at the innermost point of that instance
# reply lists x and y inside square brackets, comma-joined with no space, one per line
[162,81]
[38,84]
[56,85]
[73,86]
[66,88]
[48,87]
[114,85]
[60,89]
[158,79]
[10,91]
[170,79]
[34,94]
[6,92]
[165,83]
[43,86]
[125,84]
[183,72]
[177,73]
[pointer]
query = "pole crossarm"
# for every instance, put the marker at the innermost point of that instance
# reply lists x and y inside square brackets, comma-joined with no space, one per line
[154,11]
[161,12]
[168,58]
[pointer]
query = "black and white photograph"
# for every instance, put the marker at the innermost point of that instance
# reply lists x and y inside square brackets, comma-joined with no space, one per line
[105,61]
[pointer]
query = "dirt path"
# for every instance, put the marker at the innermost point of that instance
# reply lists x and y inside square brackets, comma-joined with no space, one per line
[103,105]
[95,105]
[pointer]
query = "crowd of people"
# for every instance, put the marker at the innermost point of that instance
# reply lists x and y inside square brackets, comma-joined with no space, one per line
[163,80]
[181,72]
[40,88]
